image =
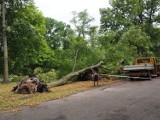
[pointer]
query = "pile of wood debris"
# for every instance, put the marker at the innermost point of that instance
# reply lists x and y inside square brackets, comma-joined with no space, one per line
[31,85]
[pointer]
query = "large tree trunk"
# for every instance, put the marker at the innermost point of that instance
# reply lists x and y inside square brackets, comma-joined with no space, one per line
[68,77]
[5,50]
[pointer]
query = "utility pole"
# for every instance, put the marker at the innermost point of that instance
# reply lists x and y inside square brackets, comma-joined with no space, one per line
[5,49]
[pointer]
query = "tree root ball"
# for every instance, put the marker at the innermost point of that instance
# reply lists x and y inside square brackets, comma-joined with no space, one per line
[31,85]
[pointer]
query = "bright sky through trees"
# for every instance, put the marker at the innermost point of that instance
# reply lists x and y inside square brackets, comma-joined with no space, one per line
[61,9]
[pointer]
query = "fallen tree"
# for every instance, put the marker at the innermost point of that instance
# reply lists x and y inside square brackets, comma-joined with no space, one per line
[68,77]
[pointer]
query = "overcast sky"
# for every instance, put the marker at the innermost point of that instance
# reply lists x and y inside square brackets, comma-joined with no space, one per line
[61,9]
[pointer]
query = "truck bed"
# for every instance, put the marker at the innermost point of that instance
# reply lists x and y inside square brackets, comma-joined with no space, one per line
[138,67]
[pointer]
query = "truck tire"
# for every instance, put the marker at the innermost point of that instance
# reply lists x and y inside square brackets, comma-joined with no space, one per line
[131,79]
[149,75]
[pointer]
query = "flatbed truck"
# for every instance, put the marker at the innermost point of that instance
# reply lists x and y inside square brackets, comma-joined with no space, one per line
[145,67]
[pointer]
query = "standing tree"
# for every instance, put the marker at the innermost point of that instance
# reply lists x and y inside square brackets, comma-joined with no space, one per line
[5,49]
[132,15]
[82,22]
[25,31]
[57,33]
[93,36]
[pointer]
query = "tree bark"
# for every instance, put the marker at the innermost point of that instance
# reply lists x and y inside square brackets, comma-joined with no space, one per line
[150,18]
[5,50]
[68,77]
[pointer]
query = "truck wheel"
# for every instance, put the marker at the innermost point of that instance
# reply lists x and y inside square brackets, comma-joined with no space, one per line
[149,75]
[131,79]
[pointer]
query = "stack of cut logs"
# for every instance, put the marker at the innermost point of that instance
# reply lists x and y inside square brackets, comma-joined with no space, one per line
[31,85]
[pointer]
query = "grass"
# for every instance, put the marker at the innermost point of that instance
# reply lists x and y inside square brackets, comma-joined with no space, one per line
[10,101]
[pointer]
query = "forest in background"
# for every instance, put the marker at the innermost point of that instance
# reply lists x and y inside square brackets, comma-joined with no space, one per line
[52,49]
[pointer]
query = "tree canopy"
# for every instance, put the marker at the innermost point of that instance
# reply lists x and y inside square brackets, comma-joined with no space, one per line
[128,29]
[25,32]
[132,21]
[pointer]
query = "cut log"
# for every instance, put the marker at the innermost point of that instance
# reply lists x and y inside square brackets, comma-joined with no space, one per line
[68,77]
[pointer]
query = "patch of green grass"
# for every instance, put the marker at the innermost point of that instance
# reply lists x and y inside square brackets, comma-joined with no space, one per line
[10,101]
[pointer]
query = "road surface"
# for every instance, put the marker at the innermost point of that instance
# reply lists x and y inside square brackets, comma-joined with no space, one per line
[137,100]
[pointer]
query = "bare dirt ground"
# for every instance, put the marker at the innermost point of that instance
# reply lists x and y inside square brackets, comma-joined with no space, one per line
[128,100]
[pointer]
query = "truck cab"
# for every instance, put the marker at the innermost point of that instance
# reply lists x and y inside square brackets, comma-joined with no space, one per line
[146,60]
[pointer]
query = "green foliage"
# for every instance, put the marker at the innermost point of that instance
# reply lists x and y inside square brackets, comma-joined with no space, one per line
[44,45]
[57,33]
[16,78]
[47,77]
[81,21]
[125,13]
[115,53]
[138,40]
[1,78]
[38,70]
[77,56]
[131,44]
[155,39]
[25,32]
[128,30]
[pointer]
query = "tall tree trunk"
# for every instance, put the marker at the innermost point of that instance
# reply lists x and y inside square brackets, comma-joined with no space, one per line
[5,50]
[150,17]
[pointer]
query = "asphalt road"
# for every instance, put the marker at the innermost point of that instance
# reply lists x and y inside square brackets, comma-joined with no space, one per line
[138,100]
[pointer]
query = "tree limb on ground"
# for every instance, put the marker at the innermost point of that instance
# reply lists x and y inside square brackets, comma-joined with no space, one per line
[68,77]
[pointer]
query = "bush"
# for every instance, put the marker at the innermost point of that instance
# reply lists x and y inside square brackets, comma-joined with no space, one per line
[15,78]
[1,78]
[38,70]
[47,76]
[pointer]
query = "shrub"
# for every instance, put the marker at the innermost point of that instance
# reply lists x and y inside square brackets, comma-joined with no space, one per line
[47,76]
[1,78]
[15,78]
[38,70]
